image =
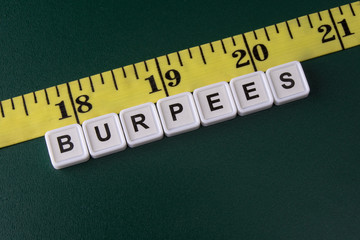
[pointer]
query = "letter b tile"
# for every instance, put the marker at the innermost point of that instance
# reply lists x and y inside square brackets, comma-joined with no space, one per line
[66,146]
[104,135]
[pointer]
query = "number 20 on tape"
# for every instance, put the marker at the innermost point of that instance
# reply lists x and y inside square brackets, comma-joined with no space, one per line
[30,115]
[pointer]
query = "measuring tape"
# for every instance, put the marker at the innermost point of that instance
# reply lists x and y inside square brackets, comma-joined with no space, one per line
[30,115]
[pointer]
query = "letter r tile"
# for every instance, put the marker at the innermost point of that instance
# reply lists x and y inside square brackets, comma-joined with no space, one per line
[141,124]
[66,146]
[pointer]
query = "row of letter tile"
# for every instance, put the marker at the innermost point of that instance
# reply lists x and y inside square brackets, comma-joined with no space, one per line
[176,114]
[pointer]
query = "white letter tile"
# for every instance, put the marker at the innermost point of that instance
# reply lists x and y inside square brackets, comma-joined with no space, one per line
[66,146]
[178,114]
[251,93]
[288,82]
[141,124]
[104,135]
[215,103]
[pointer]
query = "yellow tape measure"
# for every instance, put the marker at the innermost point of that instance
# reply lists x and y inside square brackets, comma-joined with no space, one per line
[31,115]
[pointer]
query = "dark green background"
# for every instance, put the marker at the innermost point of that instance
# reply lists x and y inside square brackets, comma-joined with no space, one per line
[290,172]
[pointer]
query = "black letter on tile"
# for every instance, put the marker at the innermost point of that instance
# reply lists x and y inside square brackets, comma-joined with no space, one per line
[141,121]
[212,101]
[62,142]
[108,134]
[289,80]
[247,91]
[174,112]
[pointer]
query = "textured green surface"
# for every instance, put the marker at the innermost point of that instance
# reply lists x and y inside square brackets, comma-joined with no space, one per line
[290,172]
